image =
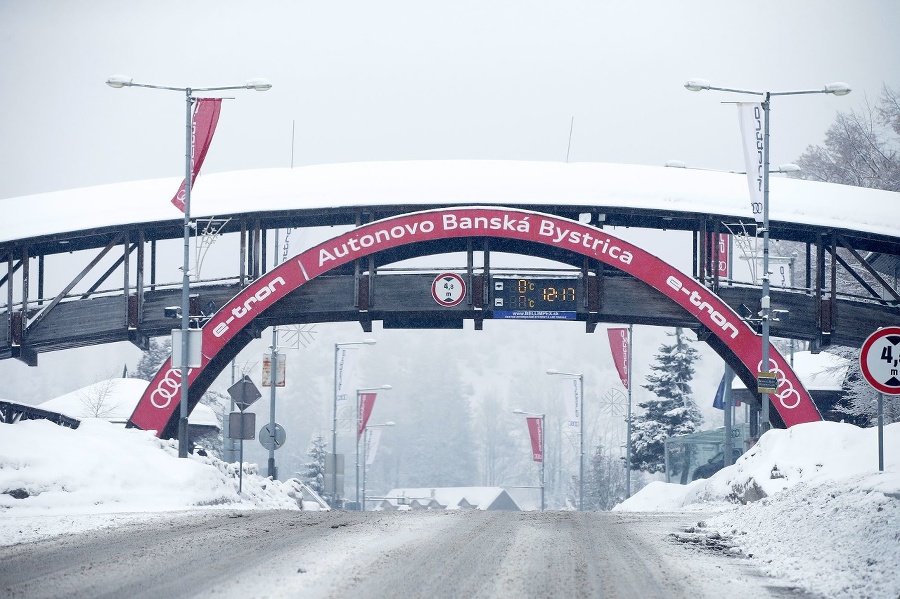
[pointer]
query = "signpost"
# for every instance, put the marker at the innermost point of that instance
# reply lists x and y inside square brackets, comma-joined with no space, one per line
[879,361]
[243,393]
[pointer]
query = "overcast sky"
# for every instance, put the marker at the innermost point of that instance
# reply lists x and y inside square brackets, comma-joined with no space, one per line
[412,80]
[395,80]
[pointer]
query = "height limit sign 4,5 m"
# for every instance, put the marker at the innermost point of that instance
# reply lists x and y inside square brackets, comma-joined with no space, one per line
[879,361]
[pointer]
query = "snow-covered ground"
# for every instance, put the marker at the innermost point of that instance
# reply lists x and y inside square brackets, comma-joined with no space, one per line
[826,518]
[818,512]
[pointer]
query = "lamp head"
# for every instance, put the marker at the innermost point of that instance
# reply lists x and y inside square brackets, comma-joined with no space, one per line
[675,164]
[837,88]
[370,341]
[789,168]
[390,423]
[260,85]
[386,387]
[696,85]
[552,371]
[119,81]
[518,411]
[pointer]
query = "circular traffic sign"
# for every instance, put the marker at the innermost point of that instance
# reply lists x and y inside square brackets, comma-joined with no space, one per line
[879,360]
[265,436]
[448,289]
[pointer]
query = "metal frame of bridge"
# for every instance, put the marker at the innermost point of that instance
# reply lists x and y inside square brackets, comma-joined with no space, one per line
[123,299]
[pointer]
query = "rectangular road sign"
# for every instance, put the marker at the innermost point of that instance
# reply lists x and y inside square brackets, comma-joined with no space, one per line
[267,370]
[766,382]
[242,425]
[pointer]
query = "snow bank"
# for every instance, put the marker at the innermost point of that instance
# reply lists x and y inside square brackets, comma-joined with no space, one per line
[104,468]
[811,507]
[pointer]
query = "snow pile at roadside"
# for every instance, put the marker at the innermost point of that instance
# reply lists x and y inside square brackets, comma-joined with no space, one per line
[811,507]
[105,468]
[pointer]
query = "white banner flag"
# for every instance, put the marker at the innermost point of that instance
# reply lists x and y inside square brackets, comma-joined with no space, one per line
[373,437]
[346,360]
[572,398]
[752,121]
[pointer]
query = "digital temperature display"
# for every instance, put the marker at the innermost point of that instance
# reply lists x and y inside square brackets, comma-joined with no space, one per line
[524,297]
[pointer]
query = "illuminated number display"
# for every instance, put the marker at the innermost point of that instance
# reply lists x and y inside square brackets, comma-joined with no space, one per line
[532,294]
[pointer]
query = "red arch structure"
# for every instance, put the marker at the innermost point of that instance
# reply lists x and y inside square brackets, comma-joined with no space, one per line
[157,409]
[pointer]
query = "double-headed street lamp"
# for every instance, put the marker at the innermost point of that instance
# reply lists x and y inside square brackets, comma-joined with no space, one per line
[337,349]
[580,407]
[543,446]
[366,455]
[838,89]
[260,85]
[357,431]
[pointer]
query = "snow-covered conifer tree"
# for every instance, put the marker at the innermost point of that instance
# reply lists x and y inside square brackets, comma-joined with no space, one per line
[314,470]
[673,410]
[159,351]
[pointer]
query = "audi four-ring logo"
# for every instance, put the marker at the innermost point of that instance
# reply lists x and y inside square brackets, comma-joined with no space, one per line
[167,388]
[782,394]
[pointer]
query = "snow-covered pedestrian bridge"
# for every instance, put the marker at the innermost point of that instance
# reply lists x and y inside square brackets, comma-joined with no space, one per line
[85,266]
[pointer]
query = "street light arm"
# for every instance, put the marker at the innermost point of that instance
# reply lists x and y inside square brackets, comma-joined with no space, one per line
[577,375]
[120,81]
[524,413]
[385,387]
[696,85]
[837,88]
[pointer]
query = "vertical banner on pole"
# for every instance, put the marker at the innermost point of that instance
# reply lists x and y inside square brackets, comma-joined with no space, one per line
[203,127]
[572,399]
[371,443]
[346,360]
[366,403]
[536,432]
[750,115]
[618,344]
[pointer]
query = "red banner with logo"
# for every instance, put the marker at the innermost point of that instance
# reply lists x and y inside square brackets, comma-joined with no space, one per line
[366,403]
[536,430]
[203,127]
[719,256]
[618,344]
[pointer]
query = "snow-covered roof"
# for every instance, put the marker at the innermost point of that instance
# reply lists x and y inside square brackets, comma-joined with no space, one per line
[478,497]
[818,372]
[471,182]
[115,400]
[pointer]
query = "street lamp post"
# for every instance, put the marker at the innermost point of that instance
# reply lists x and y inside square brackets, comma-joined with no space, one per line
[356,432]
[838,89]
[580,377]
[543,446]
[334,454]
[366,455]
[118,82]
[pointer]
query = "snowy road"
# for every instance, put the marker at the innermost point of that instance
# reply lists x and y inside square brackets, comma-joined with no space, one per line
[247,554]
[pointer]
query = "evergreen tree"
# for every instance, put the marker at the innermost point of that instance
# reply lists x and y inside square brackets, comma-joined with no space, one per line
[314,470]
[604,484]
[159,351]
[860,401]
[673,410]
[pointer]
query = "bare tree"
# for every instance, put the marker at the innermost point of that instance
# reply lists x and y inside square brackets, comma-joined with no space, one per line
[97,398]
[862,147]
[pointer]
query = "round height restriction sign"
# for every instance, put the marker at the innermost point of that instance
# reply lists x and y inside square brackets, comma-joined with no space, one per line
[448,289]
[879,360]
